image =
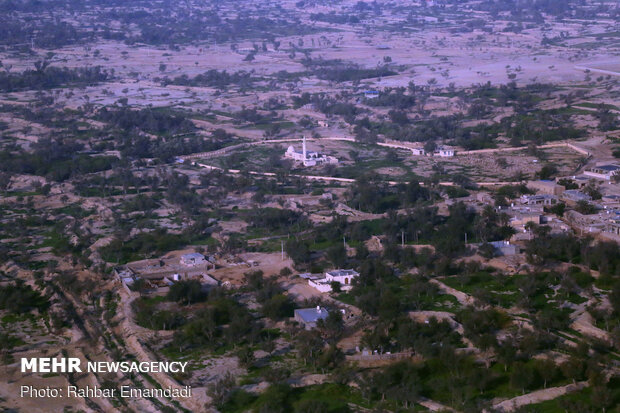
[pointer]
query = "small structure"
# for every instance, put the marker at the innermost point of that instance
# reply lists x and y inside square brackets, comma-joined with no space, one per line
[308,158]
[126,276]
[592,223]
[503,248]
[546,187]
[611,199]
[323,123]
[613,228]
[418,151]
[544,199]
[308,317]
[574,196]
[606,171]
[193,259]
[444,152]
[371,94]
[204,278]
[580,180]
[342,277]
[500,248]
[520,219]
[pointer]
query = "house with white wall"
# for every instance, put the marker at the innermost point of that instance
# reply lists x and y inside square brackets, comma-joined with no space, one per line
[343,277]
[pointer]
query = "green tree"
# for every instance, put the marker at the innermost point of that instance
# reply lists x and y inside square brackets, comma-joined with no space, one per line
[521,376]
[337,254]
[186,292]
[546,369]
[308,344]
[278,307]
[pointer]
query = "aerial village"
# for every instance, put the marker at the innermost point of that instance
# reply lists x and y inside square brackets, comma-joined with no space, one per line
[320,206]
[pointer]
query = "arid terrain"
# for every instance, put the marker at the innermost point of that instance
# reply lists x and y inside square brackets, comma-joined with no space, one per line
[320,206]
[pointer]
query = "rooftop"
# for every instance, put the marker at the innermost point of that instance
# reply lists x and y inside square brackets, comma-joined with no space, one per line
[608,167]
[339,273]
[312,315]
[193,255]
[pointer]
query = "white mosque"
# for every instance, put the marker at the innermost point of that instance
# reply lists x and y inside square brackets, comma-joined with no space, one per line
[309,158]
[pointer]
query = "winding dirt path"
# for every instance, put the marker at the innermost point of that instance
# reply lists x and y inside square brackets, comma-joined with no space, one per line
[538,396]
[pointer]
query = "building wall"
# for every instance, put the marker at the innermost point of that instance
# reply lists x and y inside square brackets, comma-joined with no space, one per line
[549,188]
[606,177]
[324,288]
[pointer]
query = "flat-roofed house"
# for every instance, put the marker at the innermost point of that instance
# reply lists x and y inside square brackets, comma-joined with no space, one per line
[342,277]
[573,196]
[542,199]
[606,171]
[546,187]
[308,317]
[193,259]
[444,152]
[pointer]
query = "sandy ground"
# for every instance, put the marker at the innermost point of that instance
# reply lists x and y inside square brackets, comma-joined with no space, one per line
[462,59]
[269,263]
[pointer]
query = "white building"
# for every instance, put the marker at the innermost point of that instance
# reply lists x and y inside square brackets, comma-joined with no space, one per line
[343,277]
[308,158]
[541,199]
[444,152]
[371,94]
[193,259]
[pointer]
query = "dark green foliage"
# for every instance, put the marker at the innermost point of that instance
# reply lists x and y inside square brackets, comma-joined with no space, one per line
[327,105]
[186,292]
[49,33]
[540,127]
[335,18]
[512,191]
[547,246]
[276,220]
[149,244]
[404,334]
[394,97]
[585,208]
[369,193]
[149,316]
[268,292]
[56,159]
[557,209]
[21,298]
[547,172]
[148,120]
[161,28]
[223,323]
[608,120]
[339,71]
[278,307]
[214,78]
[52,77]
[481,325]
[298,250]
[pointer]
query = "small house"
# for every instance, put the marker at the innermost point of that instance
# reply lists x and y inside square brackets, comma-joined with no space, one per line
[308,317]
